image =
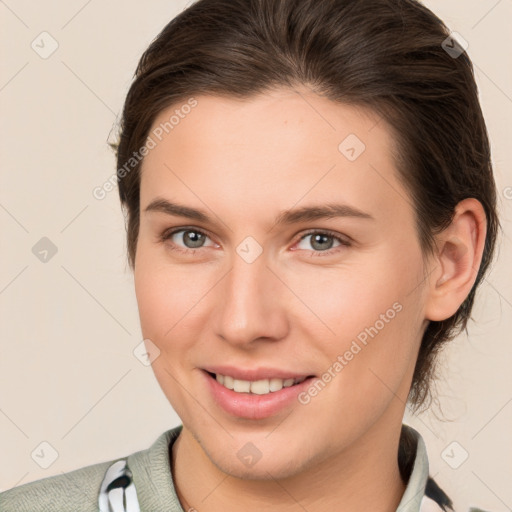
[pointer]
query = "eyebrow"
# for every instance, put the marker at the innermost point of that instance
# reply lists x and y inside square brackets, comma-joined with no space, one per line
[292,216]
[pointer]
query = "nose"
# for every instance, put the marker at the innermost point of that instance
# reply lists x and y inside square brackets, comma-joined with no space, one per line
[251,304]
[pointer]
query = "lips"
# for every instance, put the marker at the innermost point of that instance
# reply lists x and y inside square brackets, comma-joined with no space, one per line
[251,405]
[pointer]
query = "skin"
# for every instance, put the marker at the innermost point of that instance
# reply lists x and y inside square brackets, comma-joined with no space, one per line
[295,307]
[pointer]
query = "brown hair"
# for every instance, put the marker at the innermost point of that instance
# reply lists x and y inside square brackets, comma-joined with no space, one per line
[386,55]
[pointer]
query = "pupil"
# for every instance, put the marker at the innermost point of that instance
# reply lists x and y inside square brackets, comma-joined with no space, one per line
[319,237]
[195,235]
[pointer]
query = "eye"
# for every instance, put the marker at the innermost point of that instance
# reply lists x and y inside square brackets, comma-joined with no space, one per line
[322,242]
[191,237]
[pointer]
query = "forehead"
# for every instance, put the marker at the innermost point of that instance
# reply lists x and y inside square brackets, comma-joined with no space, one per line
[278,148]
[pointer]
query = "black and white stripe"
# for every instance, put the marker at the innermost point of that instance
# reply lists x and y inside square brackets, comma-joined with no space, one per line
[117,491]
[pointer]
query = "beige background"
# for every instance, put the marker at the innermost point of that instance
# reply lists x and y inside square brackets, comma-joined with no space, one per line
[68,375]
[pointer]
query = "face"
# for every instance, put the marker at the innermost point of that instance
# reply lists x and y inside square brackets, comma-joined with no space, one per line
[251,279]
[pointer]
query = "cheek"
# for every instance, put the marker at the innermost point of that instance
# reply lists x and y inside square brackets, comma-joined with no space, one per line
[368,364]
[367,325]
[169,298]
[155,289]
[341,304]
[152,300]
[166,297]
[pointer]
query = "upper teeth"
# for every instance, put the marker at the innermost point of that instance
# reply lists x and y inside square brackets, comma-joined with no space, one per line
[259,387]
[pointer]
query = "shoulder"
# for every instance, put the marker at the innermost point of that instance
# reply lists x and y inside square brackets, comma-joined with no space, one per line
[75,490]
[80,490]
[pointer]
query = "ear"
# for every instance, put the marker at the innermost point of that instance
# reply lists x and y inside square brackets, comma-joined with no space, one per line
[457,260]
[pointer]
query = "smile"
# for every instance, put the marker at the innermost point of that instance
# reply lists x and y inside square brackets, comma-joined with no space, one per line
[257,387]
[262,397]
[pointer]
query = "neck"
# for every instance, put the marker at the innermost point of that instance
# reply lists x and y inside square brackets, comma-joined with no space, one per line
[363,477]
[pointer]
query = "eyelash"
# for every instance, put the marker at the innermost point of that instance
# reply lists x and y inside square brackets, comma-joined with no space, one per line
[166,235]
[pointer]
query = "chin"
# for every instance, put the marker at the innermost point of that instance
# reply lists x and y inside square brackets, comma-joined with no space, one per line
[253,457]
[262,470]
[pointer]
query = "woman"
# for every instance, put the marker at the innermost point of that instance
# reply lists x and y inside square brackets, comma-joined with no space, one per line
[310,210]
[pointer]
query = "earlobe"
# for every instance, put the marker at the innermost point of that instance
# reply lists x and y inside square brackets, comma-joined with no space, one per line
[458,256]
